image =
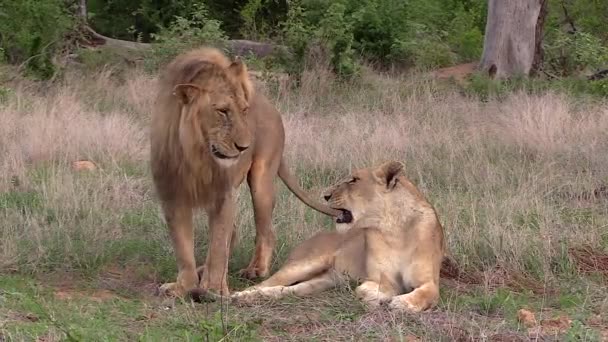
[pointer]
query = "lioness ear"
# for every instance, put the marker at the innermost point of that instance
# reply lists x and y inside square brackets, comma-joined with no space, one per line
[239,70]
[389,172]
[186,92]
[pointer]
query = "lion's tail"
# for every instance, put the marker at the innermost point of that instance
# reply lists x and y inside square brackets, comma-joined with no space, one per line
[292,185]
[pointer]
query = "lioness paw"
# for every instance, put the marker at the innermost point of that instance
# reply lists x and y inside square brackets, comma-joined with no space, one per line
[369,292]
[405,303]
[249,295]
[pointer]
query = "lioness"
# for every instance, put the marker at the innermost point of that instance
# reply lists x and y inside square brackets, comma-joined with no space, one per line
[209,131]
[388,237]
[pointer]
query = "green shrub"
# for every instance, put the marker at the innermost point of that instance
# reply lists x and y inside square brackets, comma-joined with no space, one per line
[425,50]
[184,34]
[570,53]
[465,37]
[425,34]
[31,31]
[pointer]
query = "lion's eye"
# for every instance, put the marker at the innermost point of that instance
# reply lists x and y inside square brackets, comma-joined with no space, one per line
[223,112]
[354,180]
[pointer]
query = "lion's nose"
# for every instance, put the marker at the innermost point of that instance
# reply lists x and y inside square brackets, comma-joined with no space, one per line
[241,148]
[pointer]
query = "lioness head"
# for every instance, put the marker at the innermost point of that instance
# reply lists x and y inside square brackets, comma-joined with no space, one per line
[365,195]
[214,110]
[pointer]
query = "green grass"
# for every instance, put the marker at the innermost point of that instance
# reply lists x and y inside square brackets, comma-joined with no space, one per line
[32,310]
[61,308]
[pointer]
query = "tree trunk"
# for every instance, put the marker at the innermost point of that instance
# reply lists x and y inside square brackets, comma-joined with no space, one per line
[82,10]
[513,37]
[539,52]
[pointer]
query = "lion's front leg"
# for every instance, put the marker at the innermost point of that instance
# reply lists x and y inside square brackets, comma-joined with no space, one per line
[221,227]
[179,221]
[260,180]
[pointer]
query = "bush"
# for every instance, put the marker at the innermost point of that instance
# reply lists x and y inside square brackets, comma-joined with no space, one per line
[184,34]
[31,31]
[570,53]
[425,34]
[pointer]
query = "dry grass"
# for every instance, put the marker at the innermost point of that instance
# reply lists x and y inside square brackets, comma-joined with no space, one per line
[519,185]
[496,171]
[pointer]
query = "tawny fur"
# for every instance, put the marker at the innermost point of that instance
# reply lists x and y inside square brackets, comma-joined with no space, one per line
[210,131]
[393,247]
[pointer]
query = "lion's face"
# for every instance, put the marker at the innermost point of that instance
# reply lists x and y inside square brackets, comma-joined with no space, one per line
[216,119]
[363,195]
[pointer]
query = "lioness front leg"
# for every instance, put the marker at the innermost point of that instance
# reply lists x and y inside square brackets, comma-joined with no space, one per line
[304,263]
[179,221]
[260,180]
[317,284]
[420,299]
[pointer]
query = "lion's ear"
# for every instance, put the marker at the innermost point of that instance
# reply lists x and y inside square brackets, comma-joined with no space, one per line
[186,92]
[389,172]
[239,70]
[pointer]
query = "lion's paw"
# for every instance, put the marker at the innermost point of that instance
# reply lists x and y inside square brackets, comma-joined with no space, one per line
[405,303]
[171,290]
[251,273]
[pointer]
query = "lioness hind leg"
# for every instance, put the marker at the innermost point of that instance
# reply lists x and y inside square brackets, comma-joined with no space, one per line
[262,193]
[179,220]
[420,299]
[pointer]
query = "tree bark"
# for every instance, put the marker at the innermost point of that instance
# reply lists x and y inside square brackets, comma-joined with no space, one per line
[511,39]
[539,52]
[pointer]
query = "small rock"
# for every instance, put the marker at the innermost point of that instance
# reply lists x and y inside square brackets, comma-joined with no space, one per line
[526,317]
[83,165]
[594,320]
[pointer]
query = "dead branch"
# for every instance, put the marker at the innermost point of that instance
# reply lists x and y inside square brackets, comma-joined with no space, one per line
[600,75]
[567,18]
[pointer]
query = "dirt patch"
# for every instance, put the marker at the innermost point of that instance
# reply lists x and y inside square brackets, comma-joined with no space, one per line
[497,277]
[20,317]
[459,72]
[589,260]
[96,296]
[551,327]
[468,326]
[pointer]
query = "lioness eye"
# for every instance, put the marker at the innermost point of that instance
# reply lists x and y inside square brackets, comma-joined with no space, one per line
[354,180]
[223,112]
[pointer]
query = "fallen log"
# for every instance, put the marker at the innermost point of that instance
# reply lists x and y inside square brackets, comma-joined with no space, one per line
[240,47]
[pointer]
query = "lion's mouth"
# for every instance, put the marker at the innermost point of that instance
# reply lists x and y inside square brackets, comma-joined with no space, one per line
[216,153]
[346,216]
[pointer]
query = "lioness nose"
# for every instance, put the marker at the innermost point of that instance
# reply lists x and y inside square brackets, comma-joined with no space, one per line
[327,197]
[240,148]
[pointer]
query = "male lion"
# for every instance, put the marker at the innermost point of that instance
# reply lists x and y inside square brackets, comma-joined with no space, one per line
[388,238]
[209,131]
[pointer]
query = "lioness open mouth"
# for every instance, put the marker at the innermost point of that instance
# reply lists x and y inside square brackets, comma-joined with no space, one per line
[345,216]
[216,153]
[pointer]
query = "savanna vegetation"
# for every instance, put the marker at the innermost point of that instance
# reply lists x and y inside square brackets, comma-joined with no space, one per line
[516,166]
